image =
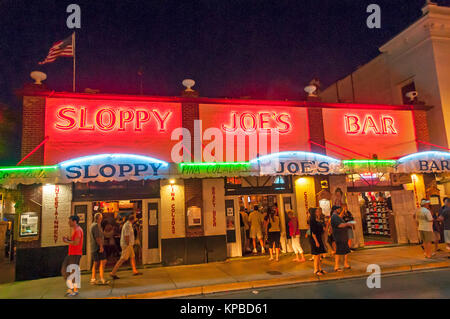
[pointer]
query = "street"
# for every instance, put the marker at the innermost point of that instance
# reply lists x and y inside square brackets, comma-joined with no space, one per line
[430,284]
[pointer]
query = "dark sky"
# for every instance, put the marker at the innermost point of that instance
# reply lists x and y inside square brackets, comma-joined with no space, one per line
[257,48]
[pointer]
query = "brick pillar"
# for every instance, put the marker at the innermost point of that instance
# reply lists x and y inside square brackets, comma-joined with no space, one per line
[316,133]
[421,127]
[193,189]
[33,125]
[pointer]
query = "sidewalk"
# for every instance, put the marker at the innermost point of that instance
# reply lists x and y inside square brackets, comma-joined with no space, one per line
[234,274]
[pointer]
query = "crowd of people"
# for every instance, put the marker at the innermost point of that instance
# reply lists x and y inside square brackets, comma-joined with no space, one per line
[429,226]
[97,240]
[328,236]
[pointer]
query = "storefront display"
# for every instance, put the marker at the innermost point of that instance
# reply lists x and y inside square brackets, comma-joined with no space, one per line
[29,224]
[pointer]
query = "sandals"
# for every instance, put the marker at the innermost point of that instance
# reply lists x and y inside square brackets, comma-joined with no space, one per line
[337,269]
[318,273]
[349,267]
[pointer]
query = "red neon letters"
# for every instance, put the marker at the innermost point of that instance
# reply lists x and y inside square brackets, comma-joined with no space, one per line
[109,119]
[262,121]
[354,125]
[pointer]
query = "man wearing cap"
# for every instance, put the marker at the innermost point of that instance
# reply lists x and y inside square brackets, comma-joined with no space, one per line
[424,221]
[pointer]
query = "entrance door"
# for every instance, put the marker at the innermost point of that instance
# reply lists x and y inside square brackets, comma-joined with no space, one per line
[151,246]
[84,211]
[404,209]
[355,208]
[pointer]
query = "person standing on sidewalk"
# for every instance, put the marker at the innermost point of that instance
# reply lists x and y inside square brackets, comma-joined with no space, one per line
[445,218]
[274,234]
[424,221]
[255,221]
[97,248]
[340,234]
[74,255]
[126,243]
[316,227]
[294,232]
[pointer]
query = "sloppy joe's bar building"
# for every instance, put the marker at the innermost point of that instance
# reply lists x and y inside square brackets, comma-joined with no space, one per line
[185,180]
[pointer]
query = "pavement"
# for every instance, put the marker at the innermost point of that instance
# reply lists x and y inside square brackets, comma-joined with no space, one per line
[231,275]
[425,284]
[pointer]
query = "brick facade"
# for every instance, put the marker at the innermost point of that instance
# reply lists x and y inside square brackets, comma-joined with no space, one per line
[193,188]
[33,129]
[421,127]
[316,132]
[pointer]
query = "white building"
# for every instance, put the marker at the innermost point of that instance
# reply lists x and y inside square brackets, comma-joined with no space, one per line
[417,59]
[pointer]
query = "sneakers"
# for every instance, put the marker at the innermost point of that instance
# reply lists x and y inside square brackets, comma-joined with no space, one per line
[255,251]
[93,281]
[263,251]
[71,293]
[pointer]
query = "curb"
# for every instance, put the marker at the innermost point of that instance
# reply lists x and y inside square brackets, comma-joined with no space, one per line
[291,280]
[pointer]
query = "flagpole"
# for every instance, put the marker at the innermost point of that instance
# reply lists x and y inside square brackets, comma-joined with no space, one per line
[74,64]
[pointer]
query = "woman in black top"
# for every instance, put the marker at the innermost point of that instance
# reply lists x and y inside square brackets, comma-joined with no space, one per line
[316,227]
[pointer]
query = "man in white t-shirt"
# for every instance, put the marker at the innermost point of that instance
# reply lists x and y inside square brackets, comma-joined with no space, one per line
[424,221]
[255,221]
[126,243]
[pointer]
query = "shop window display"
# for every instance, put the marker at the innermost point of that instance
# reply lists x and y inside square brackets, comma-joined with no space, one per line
[376,209]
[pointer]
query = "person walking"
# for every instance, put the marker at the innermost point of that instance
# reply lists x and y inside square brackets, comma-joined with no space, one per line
[444,217]
[255,221]
[97,249]
[340,234]
[316,227]
[74,255]
[424,221]
[294,232]
[126,243]
[274,234]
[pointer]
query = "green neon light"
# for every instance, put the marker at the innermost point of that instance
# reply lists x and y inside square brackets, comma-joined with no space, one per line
[27,168]
[215,164]
[366,162]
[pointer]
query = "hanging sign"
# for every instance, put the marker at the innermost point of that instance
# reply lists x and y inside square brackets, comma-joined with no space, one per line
[297,163]
[424,162]
[113,167]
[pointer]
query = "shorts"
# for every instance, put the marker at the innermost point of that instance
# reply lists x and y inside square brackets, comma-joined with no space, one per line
[426,236]
[98,256]
[127,253]
[256,233]
[274,238]
[69,260]
[447,236]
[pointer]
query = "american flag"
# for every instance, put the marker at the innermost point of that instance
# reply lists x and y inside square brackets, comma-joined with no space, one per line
[60,48]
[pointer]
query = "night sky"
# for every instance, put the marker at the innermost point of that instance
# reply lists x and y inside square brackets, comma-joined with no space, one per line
[261,48]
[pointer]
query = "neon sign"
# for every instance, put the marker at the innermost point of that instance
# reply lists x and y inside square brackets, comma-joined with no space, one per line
[109,119]
[262,121]
[354,125]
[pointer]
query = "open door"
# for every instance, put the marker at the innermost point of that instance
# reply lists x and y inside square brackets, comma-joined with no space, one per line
[403,211]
